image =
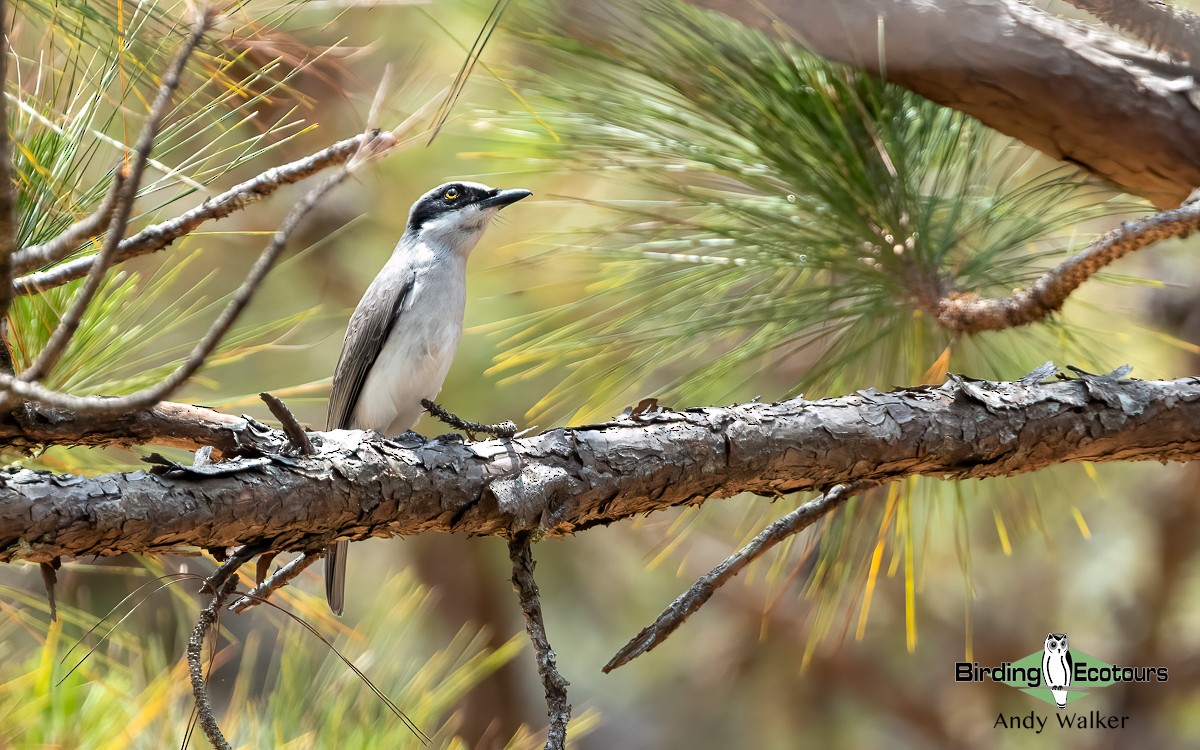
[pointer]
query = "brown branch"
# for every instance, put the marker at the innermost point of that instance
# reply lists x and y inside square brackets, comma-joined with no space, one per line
[444,415]
[520,552]
[131,183]
[291,427]
[208,722]
[277,580]
[1158,24]
[52,251]
[687,603]
[1068,90]
[969,313]
[566,480]
[159,236]
[8,188]
[167,424]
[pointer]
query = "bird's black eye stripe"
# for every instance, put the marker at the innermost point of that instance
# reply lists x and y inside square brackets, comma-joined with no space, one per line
[453,197]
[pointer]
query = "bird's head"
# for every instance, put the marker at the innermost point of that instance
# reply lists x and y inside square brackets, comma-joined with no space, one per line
[454,215]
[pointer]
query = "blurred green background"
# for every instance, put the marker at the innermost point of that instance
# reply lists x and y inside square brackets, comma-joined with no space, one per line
[715,218]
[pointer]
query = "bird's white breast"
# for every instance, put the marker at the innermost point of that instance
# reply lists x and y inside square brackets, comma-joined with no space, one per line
[418,352]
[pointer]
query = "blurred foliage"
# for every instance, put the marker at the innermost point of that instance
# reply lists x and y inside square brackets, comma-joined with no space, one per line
[797,211]
[128,693]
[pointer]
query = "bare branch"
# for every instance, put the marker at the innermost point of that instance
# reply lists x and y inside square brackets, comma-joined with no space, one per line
[37,256]
[195,647]
[147,397]
[280,578]
[686,604]
[520,552]
[8,189]
[291,427]
[168,424]
[1158,24]
[442,414]
[969,313]
[132,182]
[566,480]
[159,236]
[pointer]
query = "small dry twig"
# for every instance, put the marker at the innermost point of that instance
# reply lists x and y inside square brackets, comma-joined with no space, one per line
[686,604]
[277,580]
[505,429]
[520,552]
[291,426]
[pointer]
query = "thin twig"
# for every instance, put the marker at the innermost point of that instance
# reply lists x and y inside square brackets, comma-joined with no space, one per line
[969,313]
[686,604]
[277,580]
[69,323]
[291,427]
[195,646]
[92,405]
[8,190]
[520,552]
[52,251]
[159,236]
[231,564]
[505,429]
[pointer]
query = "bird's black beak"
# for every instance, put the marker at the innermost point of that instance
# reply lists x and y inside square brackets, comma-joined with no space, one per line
[502,198]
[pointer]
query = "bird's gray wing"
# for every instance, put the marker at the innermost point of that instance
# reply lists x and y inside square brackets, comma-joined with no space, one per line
[369,327]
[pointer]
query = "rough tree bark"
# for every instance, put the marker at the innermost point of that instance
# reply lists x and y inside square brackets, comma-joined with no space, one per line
[1078,94]
[566,480]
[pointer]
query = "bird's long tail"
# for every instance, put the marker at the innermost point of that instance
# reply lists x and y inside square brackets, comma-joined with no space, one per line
[335,575]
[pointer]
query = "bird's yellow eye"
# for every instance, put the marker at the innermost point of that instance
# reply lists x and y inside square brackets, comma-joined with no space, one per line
[451,194]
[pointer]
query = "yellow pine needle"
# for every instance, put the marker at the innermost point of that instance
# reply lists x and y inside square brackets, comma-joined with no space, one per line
[1080,522]
[1002,532]
[45,670]
[876,559]
[910,603]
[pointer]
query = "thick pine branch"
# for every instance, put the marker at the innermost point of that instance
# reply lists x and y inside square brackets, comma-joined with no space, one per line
[1078,94]
[566,480]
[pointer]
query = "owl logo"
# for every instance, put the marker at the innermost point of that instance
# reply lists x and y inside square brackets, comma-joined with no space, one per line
[1057,667]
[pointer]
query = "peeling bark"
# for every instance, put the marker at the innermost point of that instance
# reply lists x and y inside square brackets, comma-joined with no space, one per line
[566,480]
[1078,94]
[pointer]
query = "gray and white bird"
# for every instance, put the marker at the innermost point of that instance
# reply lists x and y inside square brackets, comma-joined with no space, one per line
[403,334]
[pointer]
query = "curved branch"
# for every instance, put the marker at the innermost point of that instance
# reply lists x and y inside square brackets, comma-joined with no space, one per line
[969,313]
[1173,30]
[567,480]
[1070,91]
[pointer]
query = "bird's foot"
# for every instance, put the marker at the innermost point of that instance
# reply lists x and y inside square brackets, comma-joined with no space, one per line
[505,429]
